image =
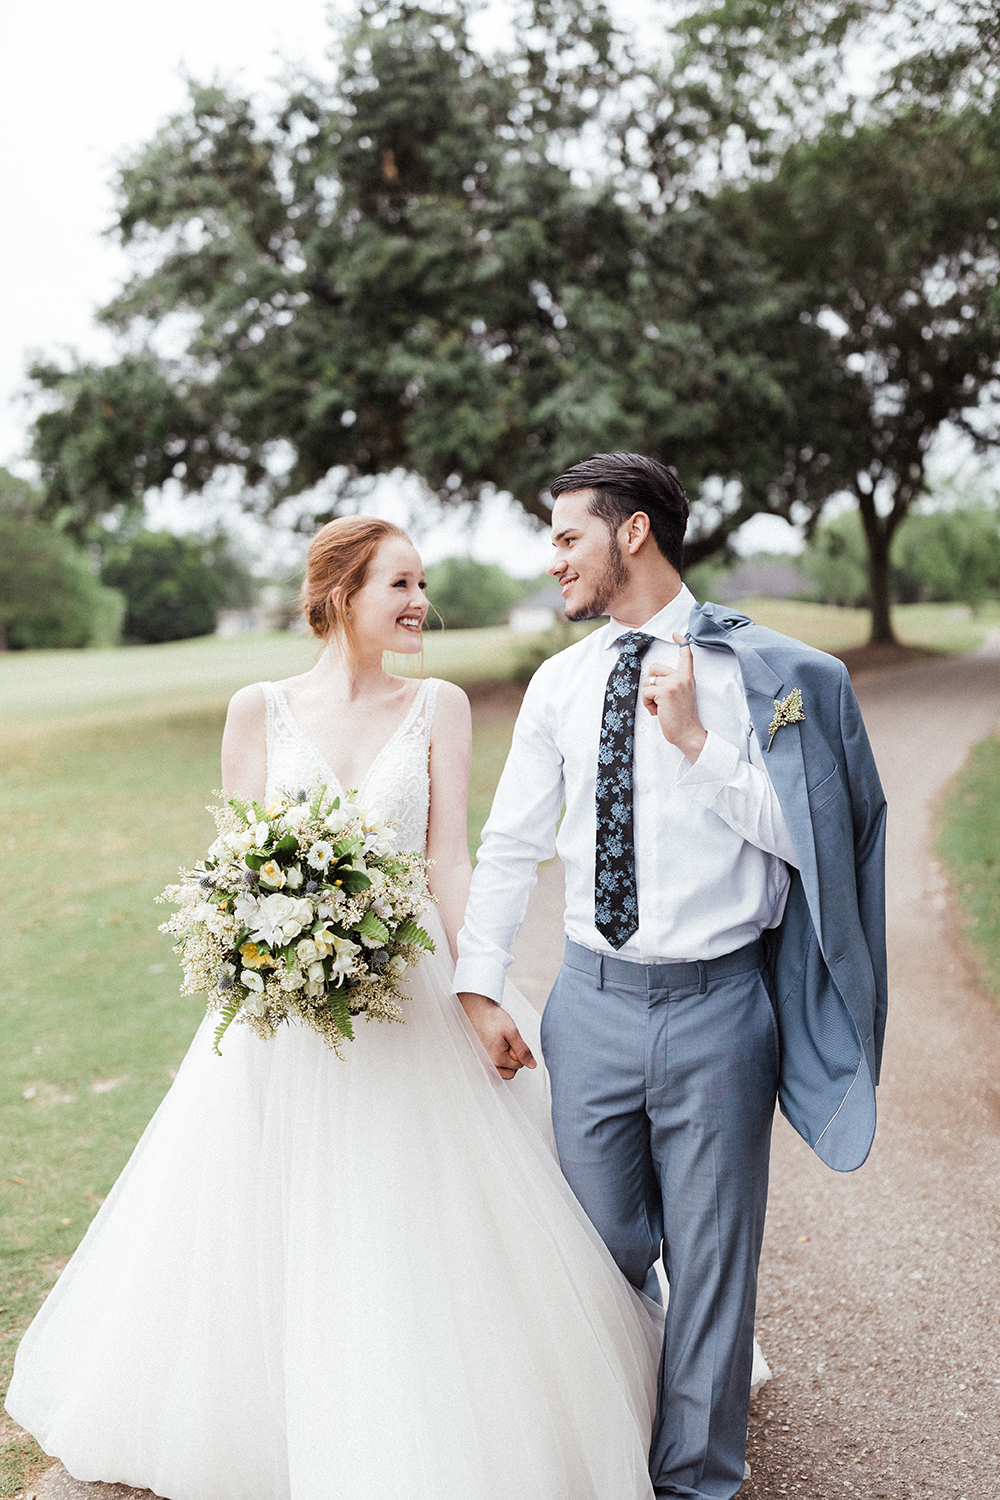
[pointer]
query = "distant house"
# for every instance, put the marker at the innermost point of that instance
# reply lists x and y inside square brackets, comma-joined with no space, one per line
[539,611]
[764,579]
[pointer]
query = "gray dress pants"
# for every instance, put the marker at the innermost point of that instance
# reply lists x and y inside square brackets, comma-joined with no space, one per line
[663,1090]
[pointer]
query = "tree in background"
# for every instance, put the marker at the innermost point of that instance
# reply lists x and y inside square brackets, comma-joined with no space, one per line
[172,587]
[836,562]
[49,593]
[401,271]
[780,289]
[949,555]
[468,594]
[944,556]
[877,216]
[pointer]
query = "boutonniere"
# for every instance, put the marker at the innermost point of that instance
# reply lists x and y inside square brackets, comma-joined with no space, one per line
[786,711]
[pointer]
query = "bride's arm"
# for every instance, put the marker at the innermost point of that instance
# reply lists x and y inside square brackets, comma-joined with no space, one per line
[244,745]
[447,835]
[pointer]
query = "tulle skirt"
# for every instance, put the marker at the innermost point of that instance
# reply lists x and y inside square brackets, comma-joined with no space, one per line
[347,1280]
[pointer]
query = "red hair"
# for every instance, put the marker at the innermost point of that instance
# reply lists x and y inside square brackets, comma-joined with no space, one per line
[339,557]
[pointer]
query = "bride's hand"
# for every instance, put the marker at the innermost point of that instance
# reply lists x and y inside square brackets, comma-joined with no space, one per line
[496,1030]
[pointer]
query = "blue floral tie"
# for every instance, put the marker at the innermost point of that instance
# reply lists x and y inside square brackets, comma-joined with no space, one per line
[616,906]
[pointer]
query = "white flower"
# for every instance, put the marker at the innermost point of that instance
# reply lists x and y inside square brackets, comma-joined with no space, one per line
[315,972]
[238,843]
[397,965]
[281,918]
[344,963]
[335,820]
[292,979]
[306,951]
[320,854]
[314,988]
[256,1005]
[296,817]
[331,903]
[245,910]
[271,873]
[252,980]
[261,834]
[293,877]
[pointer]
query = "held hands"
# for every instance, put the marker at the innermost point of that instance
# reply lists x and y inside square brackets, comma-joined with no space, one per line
[669,695]
[496,1030]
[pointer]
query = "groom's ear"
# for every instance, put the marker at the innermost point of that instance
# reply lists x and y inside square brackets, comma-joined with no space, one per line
[633,532]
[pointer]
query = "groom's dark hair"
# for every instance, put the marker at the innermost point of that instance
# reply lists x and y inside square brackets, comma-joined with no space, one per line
[626,482]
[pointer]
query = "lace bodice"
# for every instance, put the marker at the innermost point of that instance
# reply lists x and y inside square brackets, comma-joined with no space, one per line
[396,785]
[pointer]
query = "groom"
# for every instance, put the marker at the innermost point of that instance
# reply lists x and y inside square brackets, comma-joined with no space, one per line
[723,846]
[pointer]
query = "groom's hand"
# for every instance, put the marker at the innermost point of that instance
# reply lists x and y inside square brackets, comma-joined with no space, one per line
[669,694]
[496,1030]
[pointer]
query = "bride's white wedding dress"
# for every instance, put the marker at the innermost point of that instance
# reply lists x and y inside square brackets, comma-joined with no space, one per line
[357,1280]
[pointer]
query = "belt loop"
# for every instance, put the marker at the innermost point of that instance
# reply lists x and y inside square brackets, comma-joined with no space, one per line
[600,971]
[702,979]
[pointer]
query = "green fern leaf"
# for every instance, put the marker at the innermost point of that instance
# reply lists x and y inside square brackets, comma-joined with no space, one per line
[229,1013]
[411,933]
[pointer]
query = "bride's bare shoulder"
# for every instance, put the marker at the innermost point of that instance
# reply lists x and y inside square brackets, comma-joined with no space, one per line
[247,708]
[452,714]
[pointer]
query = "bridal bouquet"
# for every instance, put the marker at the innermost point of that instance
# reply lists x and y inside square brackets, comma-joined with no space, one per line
[300,909]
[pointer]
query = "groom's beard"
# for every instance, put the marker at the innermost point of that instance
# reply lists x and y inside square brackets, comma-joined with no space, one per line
[612,579]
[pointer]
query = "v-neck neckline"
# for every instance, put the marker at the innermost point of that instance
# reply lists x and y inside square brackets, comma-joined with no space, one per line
[304,739]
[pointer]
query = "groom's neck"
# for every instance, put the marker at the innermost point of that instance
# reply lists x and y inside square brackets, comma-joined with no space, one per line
[649,589]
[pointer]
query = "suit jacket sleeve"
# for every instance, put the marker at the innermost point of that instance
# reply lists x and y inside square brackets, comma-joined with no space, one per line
[868,814]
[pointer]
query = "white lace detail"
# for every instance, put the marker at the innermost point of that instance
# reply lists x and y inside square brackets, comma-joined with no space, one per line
[397,784]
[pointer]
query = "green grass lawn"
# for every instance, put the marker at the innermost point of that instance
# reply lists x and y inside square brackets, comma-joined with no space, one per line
[969,844]
[940,627]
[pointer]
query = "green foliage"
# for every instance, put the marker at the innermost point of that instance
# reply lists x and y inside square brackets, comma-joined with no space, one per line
[836,561]
[968,841]
[170,588]
[705,579]
[49,595]
[950,556]
[18,497]
[471,594]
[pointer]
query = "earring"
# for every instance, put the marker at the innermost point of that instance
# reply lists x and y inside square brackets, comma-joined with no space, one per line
[350,614]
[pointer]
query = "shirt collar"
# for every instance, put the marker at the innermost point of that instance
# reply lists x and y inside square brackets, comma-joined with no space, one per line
[673,616]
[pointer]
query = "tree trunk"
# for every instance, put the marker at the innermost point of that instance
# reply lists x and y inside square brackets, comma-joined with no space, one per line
[878,585]
[878,535]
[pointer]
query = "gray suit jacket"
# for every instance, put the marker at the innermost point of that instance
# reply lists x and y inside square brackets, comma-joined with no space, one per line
[828,955]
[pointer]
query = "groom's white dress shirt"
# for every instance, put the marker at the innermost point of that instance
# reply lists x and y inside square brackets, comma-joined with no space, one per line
[710,839]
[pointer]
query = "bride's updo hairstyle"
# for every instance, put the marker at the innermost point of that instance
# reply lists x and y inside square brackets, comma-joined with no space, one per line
[339,556]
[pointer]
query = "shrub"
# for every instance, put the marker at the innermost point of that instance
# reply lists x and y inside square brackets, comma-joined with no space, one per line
[471,594]
[171,590]
[49,595]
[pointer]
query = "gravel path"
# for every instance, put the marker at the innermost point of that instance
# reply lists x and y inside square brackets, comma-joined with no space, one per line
[879,1290]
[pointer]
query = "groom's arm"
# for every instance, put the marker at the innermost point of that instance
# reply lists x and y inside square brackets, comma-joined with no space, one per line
[519,833]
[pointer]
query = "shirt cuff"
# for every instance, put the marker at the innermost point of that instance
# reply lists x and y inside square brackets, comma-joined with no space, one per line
[478,976]
[712,771]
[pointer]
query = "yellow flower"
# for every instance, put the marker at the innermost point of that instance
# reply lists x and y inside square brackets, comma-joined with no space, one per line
[325,942]
[256,958]
[786,711]
[272,874]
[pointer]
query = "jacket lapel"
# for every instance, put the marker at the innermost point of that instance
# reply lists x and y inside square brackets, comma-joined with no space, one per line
[710,627]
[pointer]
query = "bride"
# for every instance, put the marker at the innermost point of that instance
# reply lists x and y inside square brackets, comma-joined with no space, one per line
[363,1279]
